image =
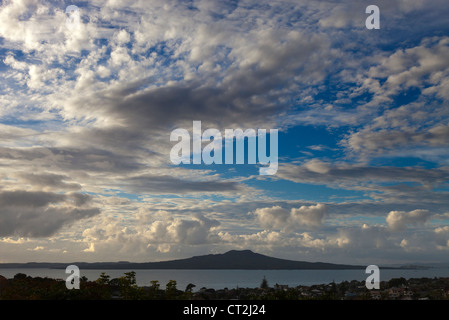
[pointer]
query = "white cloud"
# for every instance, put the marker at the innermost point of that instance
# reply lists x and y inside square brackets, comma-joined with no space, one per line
[288,220]
[122,37]
[192,231]
[317,166]
[120,56]
[442,237]
[103,72]
[413,67]
[91,248]
[398,220]
[142,235]
[18,65]
[38,248]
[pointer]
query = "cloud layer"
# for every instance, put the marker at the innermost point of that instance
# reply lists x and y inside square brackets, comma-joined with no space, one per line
[86,114]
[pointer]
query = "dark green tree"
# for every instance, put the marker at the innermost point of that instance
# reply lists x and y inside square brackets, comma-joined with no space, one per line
[128,287]
[396,282]
[171,290]
[104,279]
[190,287]
[154,291]
[264,284]
[188,294]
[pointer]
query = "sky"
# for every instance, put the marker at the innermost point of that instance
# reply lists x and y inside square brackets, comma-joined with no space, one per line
[88,104]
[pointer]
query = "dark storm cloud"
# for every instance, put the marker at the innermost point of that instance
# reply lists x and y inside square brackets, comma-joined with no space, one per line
[31,199]
[319,172]
[393,187]
[169,184]
[247,92]
[47,180]
[40,214]
[91,159]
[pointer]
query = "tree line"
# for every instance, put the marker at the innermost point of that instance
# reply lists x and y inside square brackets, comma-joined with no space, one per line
[23,287]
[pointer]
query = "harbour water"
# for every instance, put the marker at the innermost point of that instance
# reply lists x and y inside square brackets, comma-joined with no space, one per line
[219,279]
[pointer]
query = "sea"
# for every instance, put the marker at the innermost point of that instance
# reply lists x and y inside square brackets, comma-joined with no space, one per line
[220,279]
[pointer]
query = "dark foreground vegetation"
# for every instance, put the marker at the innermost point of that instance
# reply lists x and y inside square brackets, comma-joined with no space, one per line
[24,287]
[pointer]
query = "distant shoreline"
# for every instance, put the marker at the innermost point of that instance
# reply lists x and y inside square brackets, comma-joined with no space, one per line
[231,260]
[132,266]
[145,266]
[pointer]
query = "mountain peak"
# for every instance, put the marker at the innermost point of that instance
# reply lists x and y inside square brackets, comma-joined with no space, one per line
[239,252]
[245,259]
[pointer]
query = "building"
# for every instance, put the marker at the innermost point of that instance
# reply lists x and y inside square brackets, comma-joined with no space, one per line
[281,287]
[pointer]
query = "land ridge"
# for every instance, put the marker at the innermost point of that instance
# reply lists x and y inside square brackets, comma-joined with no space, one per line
[234,259]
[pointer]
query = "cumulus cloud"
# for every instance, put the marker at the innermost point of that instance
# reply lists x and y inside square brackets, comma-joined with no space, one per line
[161,234]
[399,220]
[388,140]
[414,125]
[442,237]
[343,244]
[414,67]
[288,220]
[194,231]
